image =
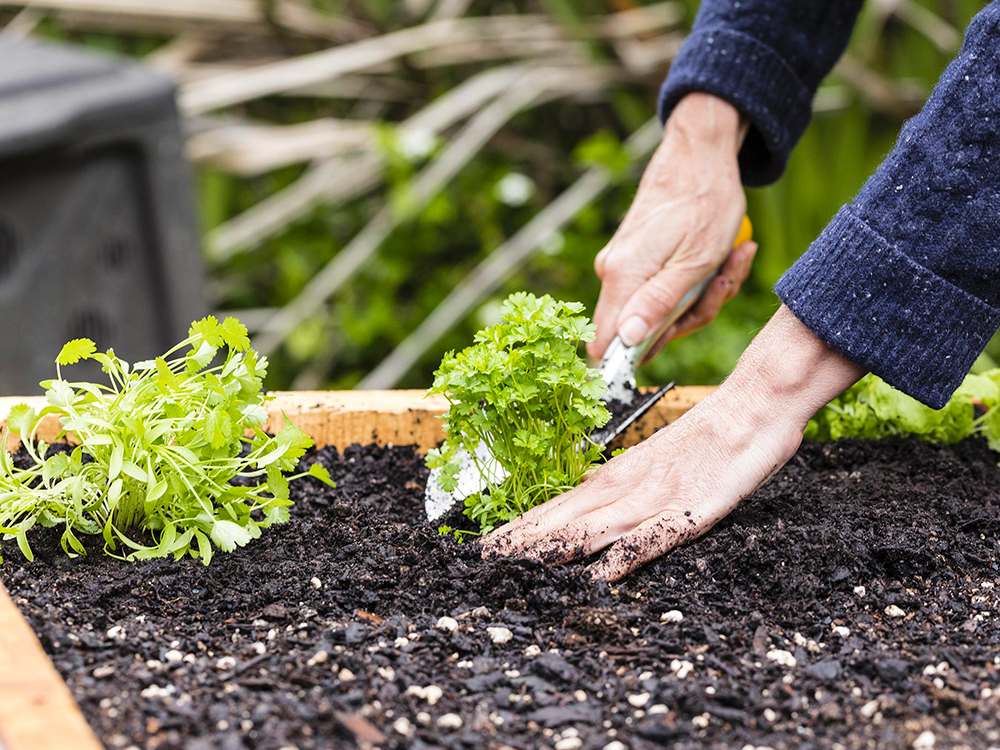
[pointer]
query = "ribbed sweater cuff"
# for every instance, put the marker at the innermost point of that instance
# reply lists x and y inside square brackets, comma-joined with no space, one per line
[756,80]
[883,311]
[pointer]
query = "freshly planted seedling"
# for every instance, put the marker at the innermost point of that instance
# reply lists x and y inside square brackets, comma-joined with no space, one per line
[159,450]
[525,392]
[873,409]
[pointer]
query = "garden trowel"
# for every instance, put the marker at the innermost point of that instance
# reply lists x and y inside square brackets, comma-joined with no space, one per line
[624,400]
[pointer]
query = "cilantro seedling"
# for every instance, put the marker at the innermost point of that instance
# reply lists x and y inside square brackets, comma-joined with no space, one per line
[159,450]
[524,391]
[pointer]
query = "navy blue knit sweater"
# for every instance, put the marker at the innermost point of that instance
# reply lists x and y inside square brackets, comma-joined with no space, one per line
[905,281]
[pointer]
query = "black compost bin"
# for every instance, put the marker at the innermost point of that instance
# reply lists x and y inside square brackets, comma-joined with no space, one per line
[98,236]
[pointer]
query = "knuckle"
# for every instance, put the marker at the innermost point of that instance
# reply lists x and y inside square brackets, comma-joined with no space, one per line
[616,560]
[629,469]
[660,297]
[613,274]
[599,264]
[609,474]
[616,471]
[693,321]
[702,318]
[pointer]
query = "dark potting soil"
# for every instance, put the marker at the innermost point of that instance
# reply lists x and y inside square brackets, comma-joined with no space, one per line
[852,600]
[624,414]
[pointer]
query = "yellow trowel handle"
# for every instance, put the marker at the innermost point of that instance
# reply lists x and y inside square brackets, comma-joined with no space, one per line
[745,234]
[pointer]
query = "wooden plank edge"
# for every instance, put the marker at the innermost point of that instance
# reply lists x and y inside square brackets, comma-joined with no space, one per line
[37,710]
[340,418]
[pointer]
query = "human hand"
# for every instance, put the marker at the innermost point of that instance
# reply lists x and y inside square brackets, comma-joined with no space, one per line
[679,230]
[676,485]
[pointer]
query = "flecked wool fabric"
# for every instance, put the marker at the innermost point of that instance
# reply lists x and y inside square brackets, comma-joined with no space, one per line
[767,58]
[905,281]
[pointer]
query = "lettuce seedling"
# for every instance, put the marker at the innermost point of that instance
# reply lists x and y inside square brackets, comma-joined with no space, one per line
[159,450]
[524,391]
[871,408]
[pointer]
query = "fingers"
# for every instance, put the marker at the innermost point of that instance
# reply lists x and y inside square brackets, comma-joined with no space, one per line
[655,300]
[731,276]
[519,534]
[580,538]
[616,479]
[600,262]
[646,542]
[657,346]
[616,287]
[727,284]
[638,250]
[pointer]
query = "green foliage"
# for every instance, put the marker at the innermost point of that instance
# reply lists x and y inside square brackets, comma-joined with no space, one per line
[159,450]
[75,350]
[524,391]
[604,149]
[850,133]
[459,534]
[873,409]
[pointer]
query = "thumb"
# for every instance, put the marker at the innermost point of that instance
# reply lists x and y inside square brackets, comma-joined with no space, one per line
[652,304]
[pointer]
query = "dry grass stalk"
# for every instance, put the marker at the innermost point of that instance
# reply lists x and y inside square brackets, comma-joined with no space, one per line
[264,80]
[880,93]
[460,150]
[247,149]
[449,9]
[22,25]
[172,16]
[341,179]
[536,86]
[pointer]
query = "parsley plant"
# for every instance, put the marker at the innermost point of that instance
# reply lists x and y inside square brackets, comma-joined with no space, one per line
[158,451]
[524,391]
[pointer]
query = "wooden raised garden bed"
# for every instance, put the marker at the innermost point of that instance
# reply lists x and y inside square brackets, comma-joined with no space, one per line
[37,711]
[850,602]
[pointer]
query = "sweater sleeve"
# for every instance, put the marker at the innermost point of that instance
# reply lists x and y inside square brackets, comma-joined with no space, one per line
[767,58]
[905,281]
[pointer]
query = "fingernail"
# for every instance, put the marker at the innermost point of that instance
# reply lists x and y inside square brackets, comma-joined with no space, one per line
[633,331]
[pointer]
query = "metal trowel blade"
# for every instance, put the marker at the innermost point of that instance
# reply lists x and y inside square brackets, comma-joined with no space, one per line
[626,417]
[437,502]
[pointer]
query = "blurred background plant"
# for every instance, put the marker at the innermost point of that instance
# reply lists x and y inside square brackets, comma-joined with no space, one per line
[375,177]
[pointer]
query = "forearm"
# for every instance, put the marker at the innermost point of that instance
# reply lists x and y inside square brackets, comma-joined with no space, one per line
[906,280]
[787,373]
[766,57]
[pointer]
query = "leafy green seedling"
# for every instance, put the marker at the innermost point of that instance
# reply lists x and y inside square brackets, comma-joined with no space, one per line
[159,450]
[871,408]
[524,391]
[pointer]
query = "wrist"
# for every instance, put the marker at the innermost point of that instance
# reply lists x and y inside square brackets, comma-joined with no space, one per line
[789,372]
[707,120]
